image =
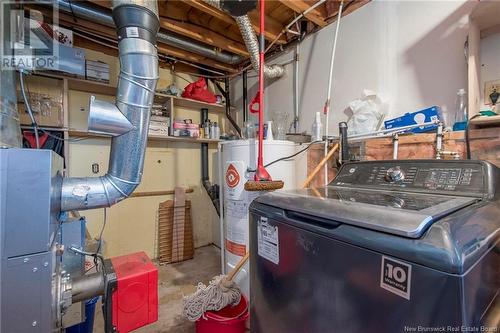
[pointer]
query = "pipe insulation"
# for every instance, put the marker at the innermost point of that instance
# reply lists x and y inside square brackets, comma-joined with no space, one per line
[137,25]
[86,11]
[248,34]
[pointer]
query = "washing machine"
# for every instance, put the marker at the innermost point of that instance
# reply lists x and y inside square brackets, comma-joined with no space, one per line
[388,246]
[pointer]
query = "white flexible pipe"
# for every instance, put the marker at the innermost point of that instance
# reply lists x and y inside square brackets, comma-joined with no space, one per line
[329,88]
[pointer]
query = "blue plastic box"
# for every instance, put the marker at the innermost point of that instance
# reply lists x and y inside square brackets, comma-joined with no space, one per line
[422,116]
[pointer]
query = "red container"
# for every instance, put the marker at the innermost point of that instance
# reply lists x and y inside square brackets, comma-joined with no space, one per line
[231,319]
[135,301]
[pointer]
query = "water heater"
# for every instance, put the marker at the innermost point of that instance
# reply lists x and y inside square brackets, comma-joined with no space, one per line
[237,160]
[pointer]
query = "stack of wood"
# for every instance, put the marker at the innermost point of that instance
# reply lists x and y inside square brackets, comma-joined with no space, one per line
[175,229]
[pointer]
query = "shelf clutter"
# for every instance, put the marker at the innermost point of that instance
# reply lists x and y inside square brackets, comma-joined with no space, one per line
[96,87]
[85,134]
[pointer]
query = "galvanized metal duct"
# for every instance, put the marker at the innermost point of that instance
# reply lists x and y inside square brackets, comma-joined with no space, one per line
[248,34]
[10,132]
[86,11]
[137,25]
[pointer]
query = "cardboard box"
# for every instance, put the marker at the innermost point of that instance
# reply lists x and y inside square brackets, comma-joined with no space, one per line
[419,117]
[97,71]
[46,99]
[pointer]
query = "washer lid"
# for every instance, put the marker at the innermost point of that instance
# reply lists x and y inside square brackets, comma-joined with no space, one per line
[399,213]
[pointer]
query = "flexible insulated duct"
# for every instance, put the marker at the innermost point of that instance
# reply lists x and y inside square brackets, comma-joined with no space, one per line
[248,34]
[137,26]
[86,11]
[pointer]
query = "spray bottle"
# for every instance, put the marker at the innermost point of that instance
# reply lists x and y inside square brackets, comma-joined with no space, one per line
[317,128]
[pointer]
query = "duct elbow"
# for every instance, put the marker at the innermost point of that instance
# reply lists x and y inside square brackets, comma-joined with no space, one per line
[137,26]
[94,192]
[248,34]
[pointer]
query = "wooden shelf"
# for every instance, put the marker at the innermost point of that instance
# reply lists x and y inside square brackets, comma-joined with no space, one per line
[78,84]
[482,120]
[191,103]
[92,87]
[156,137]
[95,87]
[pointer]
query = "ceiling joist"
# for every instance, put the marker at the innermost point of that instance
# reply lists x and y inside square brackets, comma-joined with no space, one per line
[300,6]
[203,23]
[203,35]
[273,27]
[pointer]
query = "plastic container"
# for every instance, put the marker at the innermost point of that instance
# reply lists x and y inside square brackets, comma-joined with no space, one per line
[317,128]
[231,319]
[86,326]
[460,111]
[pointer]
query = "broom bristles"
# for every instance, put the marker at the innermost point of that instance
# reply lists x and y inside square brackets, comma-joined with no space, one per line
[254,185]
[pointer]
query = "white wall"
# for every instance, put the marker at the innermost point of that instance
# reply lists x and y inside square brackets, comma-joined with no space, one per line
[411,52]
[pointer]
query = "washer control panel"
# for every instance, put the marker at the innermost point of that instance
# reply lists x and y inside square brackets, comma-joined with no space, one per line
[428,175]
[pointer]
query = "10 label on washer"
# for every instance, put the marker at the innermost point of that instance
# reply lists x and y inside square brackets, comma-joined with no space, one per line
[395,276]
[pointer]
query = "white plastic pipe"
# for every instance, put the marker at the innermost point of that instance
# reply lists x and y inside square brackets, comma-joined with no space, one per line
[329,88]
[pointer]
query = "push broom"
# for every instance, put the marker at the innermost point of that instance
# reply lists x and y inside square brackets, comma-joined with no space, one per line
[262,179]
[222,290]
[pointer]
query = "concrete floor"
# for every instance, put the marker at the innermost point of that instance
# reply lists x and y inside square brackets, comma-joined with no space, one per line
[176,280]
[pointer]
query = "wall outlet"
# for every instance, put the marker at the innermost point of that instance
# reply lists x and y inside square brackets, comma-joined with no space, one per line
[489,87]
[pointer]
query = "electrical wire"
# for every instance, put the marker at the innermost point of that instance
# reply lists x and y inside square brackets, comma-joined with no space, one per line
[288,157]
[102,231]
[27,105]
[90,254]
[62,139]
[97,254]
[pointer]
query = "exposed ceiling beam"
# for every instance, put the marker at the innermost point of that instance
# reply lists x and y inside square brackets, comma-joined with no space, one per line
[300,6]
[99,30]
[273,27]
[203,35]
[349,7]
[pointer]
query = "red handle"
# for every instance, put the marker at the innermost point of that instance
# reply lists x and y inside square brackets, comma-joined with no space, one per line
[254,104]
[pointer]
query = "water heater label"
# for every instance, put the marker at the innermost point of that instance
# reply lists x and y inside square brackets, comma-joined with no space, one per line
[268,241]
[234,180]
[395,276]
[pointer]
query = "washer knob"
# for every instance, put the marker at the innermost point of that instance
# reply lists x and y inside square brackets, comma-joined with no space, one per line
[394,174]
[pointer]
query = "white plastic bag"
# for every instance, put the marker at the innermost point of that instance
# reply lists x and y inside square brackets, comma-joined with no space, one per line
[367,113]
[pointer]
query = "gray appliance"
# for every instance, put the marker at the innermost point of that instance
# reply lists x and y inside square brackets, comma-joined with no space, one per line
[388,246]
[35,271]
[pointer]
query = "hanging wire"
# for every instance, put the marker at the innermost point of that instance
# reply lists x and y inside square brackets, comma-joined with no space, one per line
[27,106]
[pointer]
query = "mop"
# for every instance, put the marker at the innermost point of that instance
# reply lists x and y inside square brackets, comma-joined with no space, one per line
[219,293]
[262,180]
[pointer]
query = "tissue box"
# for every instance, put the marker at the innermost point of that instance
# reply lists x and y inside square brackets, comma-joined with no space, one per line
[419,117]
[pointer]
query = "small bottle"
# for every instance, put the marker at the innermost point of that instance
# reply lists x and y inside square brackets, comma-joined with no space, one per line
[317,128]
[216,131]
[207,129]
[213,130]
[202,131]
[460,111]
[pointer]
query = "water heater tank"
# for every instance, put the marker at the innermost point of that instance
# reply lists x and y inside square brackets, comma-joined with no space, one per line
[236,158]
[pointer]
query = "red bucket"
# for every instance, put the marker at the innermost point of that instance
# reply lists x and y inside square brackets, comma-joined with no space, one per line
[231,319]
